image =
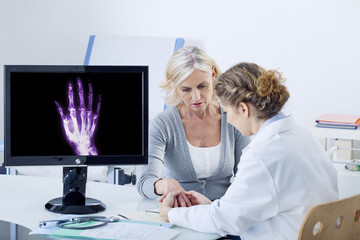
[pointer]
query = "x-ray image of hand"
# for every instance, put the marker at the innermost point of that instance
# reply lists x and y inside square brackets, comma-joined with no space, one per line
[80,122]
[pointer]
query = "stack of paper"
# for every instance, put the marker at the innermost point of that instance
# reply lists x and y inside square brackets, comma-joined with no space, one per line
[338,121]
[124,229]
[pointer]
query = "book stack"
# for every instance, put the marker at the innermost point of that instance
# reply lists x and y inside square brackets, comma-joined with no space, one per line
[338,121]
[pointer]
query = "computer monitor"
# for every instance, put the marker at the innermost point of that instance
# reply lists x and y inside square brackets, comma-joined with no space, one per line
[75,116]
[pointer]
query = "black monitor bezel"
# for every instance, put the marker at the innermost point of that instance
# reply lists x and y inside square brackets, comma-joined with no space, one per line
[100,160]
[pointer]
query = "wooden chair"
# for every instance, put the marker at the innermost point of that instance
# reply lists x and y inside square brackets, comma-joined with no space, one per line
[338,220]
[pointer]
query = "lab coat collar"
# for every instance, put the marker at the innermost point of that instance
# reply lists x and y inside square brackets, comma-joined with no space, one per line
[272,129]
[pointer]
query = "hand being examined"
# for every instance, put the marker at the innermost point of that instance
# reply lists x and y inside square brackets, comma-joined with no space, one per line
[165,186]
[168,202]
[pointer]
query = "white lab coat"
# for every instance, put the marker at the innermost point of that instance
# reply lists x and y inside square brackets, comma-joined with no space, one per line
[282,174]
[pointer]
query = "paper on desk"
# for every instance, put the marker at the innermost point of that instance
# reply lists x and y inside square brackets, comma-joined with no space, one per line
[151,216]
[125,230]
[43,231]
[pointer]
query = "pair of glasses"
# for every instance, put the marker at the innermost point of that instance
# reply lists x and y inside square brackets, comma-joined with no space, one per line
[80,223]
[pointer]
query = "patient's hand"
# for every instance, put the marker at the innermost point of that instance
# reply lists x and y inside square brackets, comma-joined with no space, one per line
[165,186]
[80,123]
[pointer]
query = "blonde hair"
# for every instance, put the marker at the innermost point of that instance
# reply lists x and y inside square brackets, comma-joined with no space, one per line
[248,82]
[180,65]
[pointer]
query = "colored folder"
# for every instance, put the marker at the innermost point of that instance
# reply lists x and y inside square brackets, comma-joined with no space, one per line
[338,121]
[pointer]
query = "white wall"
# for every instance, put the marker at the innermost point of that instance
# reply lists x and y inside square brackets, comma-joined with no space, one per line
[315,43]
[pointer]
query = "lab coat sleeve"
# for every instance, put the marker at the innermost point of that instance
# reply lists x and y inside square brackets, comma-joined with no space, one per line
[250,199]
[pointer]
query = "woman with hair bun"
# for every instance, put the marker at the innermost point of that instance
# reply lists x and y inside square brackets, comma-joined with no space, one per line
[282,174]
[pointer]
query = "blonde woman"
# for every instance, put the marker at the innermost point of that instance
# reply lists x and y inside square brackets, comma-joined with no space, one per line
[191,144]
[282,173]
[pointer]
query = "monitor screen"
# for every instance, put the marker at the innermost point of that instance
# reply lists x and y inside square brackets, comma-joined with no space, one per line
[76,116]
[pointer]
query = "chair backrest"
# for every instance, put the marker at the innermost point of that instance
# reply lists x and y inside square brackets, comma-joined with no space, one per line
[334,220]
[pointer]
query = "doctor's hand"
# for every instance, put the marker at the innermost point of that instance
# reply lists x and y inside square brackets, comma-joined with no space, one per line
[165,186]
[167,204]
[197,198]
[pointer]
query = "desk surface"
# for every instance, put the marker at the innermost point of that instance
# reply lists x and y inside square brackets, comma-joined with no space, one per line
[23,198]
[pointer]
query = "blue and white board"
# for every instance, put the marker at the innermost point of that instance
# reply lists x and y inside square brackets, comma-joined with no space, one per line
[126,50]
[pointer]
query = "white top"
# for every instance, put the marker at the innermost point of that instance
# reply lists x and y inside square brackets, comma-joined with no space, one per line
[205,159]
[282,174]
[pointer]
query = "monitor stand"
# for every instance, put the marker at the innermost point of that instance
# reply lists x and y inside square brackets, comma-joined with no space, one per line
[74,200]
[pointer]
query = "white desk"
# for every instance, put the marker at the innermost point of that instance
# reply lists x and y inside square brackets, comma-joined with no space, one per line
[349,181]
[23,198]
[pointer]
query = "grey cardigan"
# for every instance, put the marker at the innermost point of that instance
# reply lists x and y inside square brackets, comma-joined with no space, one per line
[169,157]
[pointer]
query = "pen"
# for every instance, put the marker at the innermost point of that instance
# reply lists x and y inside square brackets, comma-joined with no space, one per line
[124,217]
[150,211]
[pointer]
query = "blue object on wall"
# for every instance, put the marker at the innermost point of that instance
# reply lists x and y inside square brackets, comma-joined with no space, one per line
[1,146]
[179,43]
[89,49]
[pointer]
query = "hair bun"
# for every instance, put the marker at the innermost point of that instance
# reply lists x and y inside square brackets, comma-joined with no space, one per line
[269,82]
[248,82]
